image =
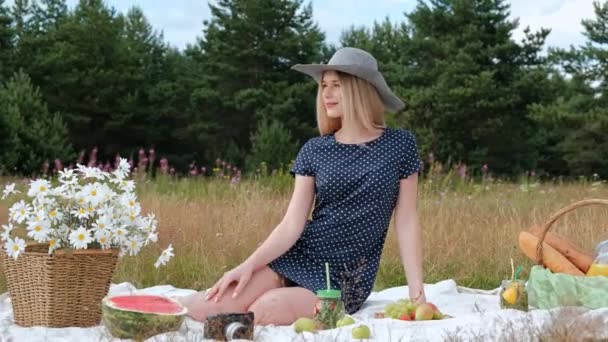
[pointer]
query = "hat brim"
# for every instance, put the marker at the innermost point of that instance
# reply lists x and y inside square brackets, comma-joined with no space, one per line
[391,101]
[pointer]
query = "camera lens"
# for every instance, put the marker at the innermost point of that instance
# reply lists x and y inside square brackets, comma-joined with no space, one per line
[233,328]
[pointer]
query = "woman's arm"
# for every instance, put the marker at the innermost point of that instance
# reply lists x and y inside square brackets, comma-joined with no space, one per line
[284,235]
[287,232]
[409,236]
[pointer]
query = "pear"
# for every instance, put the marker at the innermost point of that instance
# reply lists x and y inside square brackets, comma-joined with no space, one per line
[424,312]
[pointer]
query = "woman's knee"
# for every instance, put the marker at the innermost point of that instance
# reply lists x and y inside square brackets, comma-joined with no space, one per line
[283,306]
[199,308]
[261,282]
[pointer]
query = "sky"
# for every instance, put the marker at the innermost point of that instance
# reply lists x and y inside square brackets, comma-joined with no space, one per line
[180,21]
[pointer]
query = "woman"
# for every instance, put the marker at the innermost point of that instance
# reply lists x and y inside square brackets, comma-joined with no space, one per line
[358,171]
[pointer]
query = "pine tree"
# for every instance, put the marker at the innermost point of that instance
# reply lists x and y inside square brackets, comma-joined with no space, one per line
[29,134]
[469,83]
[574,127]
[245,58]
[7,41]
[272,145]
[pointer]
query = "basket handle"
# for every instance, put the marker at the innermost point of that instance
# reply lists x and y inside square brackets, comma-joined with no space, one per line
[547,225]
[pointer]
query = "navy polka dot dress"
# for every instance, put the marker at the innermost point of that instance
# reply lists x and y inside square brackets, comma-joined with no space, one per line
[356,187]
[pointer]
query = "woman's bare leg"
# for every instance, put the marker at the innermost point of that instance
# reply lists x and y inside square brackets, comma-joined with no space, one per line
[282,306]
[261,282]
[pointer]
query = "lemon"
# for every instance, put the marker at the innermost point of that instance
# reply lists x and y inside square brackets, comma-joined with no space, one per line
[510,295]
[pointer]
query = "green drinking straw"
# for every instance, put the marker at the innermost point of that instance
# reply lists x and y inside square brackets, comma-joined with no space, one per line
[519,269]
[327,274]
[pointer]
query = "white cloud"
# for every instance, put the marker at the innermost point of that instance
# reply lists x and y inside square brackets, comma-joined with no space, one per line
[563,17]
[181,20]
[335,16]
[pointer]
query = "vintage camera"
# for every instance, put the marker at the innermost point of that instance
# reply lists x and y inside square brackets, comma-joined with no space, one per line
[229,326]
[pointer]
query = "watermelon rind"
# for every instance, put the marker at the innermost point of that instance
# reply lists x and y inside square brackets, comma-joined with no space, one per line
[137,324]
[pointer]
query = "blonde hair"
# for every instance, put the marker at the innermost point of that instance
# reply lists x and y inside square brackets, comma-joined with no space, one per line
[361,104]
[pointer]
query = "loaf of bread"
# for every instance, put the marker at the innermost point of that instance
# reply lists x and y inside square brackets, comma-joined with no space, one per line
[567,248]
[552,259]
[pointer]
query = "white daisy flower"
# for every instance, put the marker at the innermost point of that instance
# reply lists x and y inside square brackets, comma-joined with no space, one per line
[164,257]
[14,247]
[20,211]
[45,202]
[93,193]
[120,235]
[108,194]
[68,177]
[128,200]
[150,223]
[6,234]
[8,190]
[91,210]
[122,252]
[131,218]
[60,191]
[39,187]
[90,172]
[63,230]
[134,245]
[122,170]
[105,210]
[127,186]
[102,223]
[80,238]
[55,215]
[39,230]
[152,237]
[38,215]
[104,238]
[53,245]
[80,213]
[80,200]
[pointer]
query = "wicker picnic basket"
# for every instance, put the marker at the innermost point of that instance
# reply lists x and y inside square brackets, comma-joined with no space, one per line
[59,290]
[549,290]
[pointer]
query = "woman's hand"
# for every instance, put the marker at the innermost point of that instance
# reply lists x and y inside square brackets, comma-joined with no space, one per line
[240,274]
[418,298]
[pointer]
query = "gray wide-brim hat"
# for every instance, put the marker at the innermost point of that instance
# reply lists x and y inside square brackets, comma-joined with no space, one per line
[358,63]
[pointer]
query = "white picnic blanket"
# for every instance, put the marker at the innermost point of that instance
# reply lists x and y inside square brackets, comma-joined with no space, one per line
[477,317]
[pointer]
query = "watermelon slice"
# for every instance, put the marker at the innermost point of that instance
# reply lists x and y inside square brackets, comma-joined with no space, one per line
[141,316]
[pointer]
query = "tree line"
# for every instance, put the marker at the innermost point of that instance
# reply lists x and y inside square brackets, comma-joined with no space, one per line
[75,79]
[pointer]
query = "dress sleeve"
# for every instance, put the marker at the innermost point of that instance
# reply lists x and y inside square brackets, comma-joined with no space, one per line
[303,164]
[410,161]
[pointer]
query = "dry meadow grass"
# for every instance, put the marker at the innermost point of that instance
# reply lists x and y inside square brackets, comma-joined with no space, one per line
[470,229]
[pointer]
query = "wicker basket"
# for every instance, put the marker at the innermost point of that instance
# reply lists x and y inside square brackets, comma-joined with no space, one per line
[556,216]
[549,290]
[62,290]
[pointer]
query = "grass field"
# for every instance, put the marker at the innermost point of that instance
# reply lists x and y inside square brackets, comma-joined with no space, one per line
[470,228]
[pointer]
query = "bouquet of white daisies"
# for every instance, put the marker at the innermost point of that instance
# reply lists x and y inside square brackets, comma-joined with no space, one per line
[87,208]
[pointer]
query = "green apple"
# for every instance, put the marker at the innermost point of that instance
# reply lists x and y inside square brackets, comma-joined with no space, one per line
[361,332]
[344,321]
[304,324]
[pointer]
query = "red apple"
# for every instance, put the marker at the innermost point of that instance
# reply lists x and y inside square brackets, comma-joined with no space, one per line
[405,317]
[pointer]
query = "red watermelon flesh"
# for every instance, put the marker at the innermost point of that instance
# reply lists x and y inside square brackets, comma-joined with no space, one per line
[147,303]
[141,316]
